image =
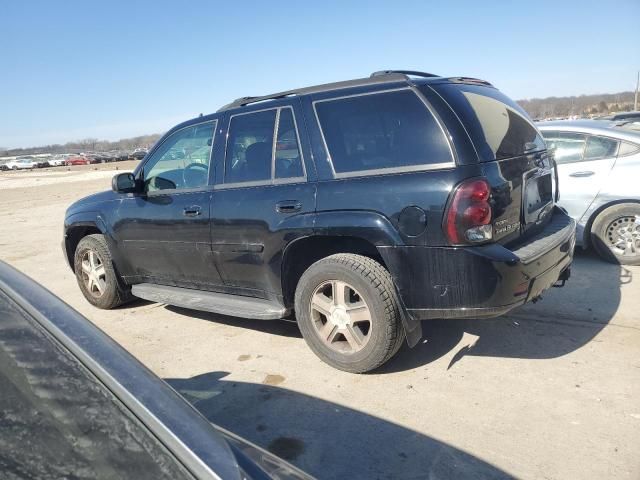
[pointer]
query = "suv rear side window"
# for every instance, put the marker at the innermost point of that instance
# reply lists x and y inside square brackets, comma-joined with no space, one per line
[249,147]
[387,130]
[251,154]
[498,126]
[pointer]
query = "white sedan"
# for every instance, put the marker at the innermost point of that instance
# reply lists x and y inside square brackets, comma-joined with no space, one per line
[21,164]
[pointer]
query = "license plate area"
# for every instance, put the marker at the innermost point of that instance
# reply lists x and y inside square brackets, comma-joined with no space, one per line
[537,198]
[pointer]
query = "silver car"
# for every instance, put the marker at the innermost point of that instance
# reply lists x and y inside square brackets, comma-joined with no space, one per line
[599,173]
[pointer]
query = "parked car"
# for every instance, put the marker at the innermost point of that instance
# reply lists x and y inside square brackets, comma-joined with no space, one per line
[22,163]
[77,160]
[624,116]
[598,169]
[362,206]
[42,162]
[57,160]
[76,405]
[139,153]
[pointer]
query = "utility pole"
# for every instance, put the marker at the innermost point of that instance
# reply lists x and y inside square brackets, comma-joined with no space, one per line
[635,100]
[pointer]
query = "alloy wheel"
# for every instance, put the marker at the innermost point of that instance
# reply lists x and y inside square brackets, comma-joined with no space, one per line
[94,274]
[341,317]
[623,236]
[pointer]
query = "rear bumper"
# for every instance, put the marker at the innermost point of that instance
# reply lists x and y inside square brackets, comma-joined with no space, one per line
[481,282]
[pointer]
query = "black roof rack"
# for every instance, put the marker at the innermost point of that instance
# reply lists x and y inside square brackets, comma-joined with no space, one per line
[469,80]
[407,73]
[391,76]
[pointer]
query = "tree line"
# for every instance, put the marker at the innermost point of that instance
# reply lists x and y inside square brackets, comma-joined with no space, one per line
[86,145]
[582,105]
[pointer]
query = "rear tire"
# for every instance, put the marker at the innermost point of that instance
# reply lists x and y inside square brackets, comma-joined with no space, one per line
[96,276]
[615,234]
[348,312]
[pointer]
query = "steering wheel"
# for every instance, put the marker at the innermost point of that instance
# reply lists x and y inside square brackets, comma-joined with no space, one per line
[195,175]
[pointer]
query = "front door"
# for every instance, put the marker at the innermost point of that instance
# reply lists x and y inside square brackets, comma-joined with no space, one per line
[163,231]
[584,163]
[263,199]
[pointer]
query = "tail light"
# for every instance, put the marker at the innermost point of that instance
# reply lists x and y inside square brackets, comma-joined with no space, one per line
[467,219]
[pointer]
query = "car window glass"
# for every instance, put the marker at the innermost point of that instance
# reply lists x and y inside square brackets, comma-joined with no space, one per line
[498,126]
[600,147]
[58,421]
[380,131]
[288,162]
[569,147]
[627,148]
[250,147]
[182,160]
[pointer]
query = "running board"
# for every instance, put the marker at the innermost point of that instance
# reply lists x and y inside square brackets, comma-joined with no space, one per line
[222,303]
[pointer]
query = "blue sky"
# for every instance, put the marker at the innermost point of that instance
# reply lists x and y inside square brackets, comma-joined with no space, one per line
[76,69]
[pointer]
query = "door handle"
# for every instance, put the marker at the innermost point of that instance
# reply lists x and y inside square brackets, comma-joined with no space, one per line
[586,173]
[288,206]
[192,211]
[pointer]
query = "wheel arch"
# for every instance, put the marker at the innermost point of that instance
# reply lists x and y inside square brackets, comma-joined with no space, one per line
[303,252]
[300,254]
[78,228]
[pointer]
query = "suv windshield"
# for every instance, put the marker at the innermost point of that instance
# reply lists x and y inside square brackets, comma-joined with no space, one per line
[499,127]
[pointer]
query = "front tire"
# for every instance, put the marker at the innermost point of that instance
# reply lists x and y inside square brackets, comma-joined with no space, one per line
[348,312]
[615,234]
[97,279]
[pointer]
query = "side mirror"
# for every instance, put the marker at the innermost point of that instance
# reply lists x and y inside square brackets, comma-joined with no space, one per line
[124,183]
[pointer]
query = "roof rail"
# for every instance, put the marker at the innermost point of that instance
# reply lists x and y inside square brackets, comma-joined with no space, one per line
[407,73]
[469,80]
[382,78]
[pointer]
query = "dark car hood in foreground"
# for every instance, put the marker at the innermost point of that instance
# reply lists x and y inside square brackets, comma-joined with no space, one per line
[183,430]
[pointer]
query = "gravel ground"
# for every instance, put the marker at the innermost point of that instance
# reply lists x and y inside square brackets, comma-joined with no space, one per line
[550,391]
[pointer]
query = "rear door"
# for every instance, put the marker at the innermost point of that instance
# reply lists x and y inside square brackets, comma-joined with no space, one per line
[264,196]
[584,163]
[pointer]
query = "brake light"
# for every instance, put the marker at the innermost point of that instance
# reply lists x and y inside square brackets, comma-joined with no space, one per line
[468,215]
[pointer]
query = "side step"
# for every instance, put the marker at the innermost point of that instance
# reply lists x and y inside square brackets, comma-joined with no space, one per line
[222,303]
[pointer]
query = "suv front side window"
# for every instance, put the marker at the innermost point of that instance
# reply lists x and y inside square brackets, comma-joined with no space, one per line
[182,160]
[381,131]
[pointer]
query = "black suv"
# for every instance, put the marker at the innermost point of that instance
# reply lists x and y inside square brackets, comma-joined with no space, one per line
[362,206]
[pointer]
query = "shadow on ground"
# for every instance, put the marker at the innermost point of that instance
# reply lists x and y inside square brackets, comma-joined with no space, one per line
[325,439]
[564,320]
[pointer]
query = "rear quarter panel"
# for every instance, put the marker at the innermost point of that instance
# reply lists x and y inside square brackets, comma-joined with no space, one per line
[388,195]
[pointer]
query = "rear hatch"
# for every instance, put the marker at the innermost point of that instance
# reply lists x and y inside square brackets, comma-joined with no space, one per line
[512,154]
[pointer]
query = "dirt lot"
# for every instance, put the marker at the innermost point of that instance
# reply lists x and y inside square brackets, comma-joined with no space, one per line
[551,391]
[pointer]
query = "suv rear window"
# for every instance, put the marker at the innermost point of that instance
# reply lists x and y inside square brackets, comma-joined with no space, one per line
[387,130]
[498,126]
